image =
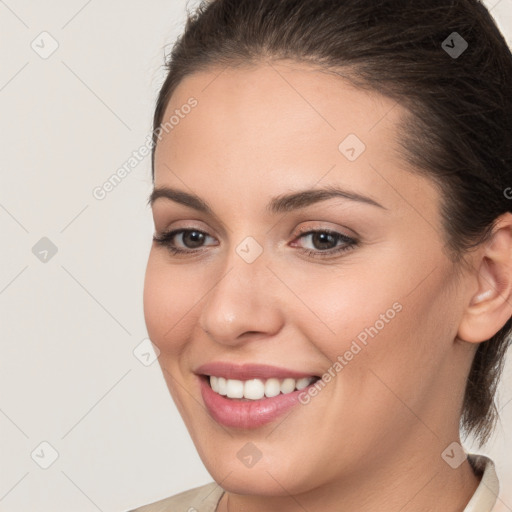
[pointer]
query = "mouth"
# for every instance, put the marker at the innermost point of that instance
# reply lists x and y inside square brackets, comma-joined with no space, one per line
[256,389]
[253,402]
[250,395]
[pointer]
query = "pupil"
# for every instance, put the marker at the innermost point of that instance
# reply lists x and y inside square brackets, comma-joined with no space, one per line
[196,238]
[321,237]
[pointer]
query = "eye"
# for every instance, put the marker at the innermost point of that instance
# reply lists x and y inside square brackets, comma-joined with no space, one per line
[325,242]
[191,239]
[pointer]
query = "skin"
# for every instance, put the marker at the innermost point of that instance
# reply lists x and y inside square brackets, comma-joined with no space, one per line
[372,439]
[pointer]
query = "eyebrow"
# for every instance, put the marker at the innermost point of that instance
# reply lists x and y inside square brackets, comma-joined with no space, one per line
[278,204]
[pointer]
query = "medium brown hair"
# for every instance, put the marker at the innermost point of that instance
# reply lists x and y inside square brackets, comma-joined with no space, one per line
[459,128]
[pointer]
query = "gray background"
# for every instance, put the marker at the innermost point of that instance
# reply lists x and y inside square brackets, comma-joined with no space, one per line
[70,323]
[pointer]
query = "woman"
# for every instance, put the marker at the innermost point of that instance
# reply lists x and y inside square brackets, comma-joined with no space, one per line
[330,281]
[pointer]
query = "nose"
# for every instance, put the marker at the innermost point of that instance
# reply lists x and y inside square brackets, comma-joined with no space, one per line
[243,303]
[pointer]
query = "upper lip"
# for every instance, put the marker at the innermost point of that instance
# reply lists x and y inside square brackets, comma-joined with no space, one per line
[249,371]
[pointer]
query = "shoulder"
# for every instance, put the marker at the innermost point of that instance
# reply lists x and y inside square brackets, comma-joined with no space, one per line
[199,499]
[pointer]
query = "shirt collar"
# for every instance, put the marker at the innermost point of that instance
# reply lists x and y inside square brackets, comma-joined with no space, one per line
[487,492]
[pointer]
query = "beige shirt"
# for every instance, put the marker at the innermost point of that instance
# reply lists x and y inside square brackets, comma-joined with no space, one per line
[207,497]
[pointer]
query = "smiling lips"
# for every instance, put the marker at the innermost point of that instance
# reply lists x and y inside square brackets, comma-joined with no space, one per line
[251,395]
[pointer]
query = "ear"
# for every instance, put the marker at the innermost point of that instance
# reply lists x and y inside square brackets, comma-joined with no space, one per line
[490,306]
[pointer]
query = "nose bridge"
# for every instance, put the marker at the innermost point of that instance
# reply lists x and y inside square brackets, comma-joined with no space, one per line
[240,300]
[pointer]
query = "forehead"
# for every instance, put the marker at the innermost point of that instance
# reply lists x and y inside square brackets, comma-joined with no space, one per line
[276,124]
[266,98]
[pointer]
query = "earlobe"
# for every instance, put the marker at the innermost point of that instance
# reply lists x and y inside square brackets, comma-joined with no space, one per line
[490,306]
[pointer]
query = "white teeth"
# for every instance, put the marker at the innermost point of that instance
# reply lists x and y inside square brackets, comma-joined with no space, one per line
[288,385]
[234,388]
[222,388]
[272,388]
[253,389]
[256,389]
[303,383]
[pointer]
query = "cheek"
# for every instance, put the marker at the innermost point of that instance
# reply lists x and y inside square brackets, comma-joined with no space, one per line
[374,320]
[343,305]
[169,301]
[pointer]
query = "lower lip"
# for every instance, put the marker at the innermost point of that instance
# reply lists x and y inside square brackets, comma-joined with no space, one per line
[232,412]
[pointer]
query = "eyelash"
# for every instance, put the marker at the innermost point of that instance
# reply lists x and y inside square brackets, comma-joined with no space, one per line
[166,240]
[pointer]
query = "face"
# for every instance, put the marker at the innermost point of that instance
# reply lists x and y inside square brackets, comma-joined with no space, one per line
[352,287]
